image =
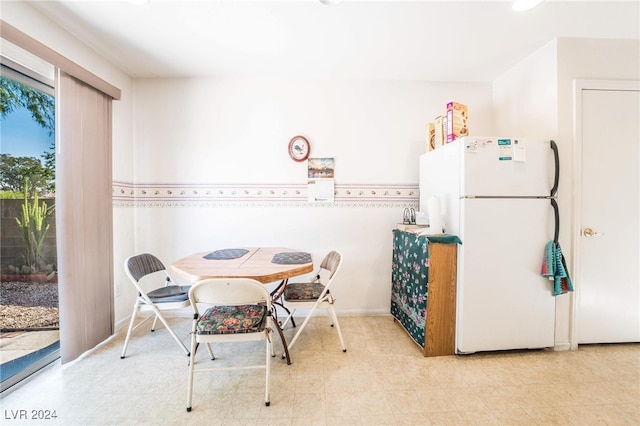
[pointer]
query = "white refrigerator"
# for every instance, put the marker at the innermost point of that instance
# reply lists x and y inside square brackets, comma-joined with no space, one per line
[498,195]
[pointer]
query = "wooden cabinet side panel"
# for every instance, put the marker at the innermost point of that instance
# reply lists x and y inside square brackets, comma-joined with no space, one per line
[440,329]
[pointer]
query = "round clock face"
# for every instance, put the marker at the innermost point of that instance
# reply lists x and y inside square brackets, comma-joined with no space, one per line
[299,148]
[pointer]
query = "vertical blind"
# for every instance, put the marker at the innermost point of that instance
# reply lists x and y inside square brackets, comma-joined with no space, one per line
[84,227]
[84,215]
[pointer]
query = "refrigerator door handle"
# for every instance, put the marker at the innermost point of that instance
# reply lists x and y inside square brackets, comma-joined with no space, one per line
[556,212]
[556,159]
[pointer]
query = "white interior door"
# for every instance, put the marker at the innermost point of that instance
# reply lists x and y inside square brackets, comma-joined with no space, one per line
[607,275]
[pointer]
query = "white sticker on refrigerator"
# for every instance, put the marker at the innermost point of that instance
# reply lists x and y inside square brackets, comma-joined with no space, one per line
[519,152]
[505,150]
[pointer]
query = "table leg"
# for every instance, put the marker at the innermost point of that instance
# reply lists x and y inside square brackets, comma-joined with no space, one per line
[284,342]
[275,296]
[276,299]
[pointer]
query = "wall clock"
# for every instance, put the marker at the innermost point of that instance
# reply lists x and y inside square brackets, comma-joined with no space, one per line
[299,148]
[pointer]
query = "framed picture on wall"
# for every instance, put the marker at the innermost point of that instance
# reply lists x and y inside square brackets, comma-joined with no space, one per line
[321,168]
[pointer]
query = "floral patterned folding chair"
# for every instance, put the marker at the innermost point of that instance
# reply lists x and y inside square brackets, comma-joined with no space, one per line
[315,294]
[230,310]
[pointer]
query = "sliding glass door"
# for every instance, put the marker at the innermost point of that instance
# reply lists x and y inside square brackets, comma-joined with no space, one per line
[29,314]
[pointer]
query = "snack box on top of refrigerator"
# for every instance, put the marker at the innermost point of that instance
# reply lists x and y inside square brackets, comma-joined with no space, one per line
[440,129]
[431,136]
[457,121]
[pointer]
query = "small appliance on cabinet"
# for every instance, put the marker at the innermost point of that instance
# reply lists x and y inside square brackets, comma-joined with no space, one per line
[498,196]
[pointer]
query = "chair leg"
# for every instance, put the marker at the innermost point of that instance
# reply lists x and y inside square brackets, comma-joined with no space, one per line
[126,339]
[304,323]
[210,351]
[153,326]
[166,324]
[270,347]
[268,352]
[289,314]
[192,362]
[289,317]
[334,319]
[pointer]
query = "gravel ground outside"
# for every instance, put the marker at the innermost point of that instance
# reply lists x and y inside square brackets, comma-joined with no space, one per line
[26,305]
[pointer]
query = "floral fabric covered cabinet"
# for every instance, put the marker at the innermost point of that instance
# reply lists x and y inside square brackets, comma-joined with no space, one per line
[423,289]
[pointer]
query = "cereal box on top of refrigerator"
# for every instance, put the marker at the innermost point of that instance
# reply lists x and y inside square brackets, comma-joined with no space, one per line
[440,130]
[457,121]
[431,136]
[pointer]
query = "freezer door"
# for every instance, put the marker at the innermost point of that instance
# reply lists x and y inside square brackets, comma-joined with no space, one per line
[503,301]
[506,167]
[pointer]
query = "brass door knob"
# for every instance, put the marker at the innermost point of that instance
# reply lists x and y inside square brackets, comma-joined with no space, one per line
[588,232]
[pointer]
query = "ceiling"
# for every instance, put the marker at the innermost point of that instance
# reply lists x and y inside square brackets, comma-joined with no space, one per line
[415,40]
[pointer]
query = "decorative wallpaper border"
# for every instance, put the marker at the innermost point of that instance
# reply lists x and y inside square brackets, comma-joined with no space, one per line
[127,194]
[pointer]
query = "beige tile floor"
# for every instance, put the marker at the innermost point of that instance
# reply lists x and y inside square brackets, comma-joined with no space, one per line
[381,380]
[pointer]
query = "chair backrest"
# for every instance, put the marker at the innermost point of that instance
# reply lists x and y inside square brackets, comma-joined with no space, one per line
[331,264]
[229,291]
[141,265]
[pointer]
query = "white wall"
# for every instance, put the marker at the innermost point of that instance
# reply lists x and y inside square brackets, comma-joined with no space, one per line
[237,130]
[225,130]
[536,97]
[525,97]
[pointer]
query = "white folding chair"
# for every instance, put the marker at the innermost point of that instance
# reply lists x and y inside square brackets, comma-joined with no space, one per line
[315,294]
[166,297]
[235,310]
